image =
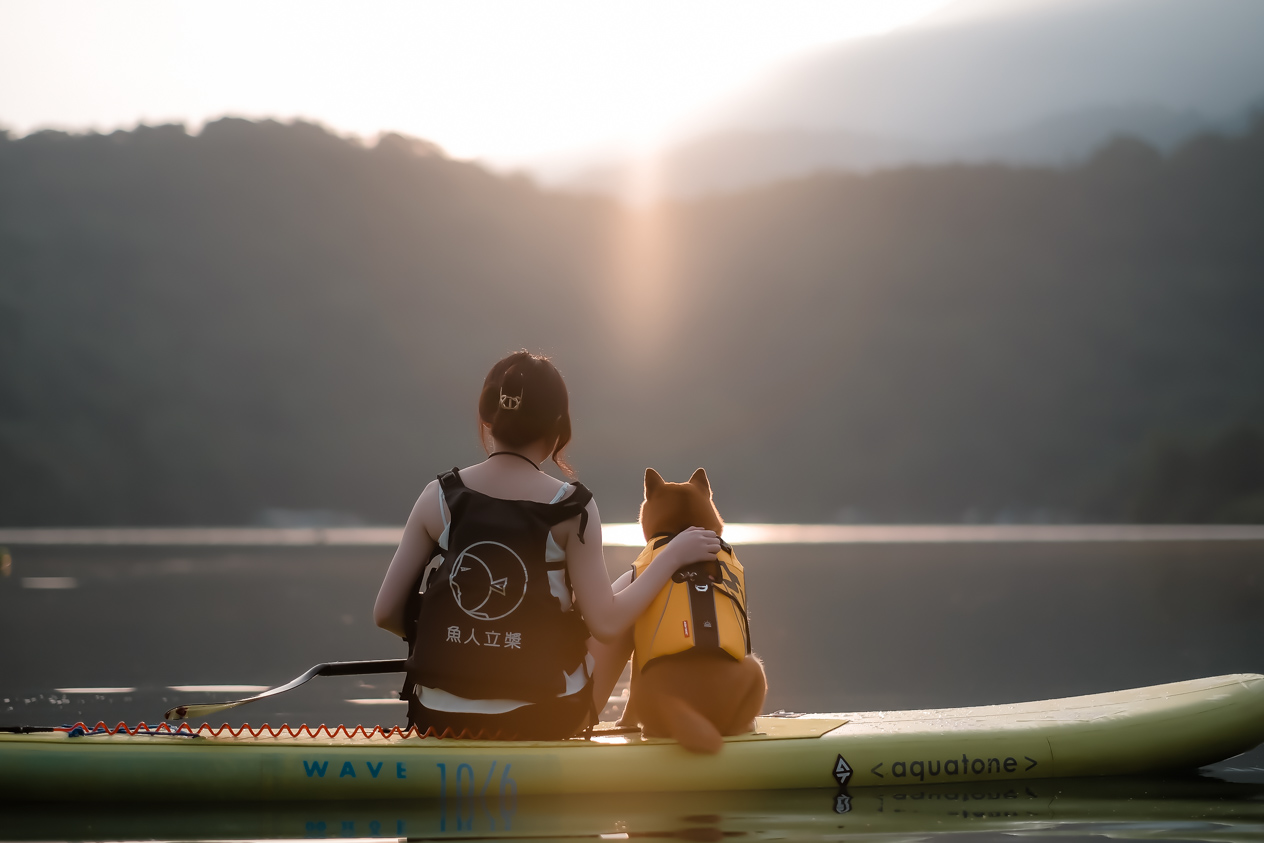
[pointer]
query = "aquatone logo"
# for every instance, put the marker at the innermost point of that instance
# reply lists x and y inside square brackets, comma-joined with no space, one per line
[488,581]
[954,767]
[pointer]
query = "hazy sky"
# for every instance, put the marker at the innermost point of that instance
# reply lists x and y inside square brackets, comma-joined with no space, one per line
[505,80]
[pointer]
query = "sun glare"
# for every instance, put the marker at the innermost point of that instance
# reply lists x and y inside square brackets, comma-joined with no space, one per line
[497,79]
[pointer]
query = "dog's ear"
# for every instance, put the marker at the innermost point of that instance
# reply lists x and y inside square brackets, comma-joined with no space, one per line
[653,483]
[699,479]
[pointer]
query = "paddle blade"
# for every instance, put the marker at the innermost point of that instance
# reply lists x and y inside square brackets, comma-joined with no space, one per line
[184,712]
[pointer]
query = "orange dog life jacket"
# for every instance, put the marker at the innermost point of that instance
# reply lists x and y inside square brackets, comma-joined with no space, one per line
[693,610]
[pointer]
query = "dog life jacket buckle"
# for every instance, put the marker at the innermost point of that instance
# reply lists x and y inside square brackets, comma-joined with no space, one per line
[693,575]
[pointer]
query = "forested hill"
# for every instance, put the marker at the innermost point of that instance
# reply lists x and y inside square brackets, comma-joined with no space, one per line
[201,329]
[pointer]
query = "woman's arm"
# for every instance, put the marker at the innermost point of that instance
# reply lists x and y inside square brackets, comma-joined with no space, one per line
[425,525]
[610,615]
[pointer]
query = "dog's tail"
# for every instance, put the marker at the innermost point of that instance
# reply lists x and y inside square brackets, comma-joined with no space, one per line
[693,731]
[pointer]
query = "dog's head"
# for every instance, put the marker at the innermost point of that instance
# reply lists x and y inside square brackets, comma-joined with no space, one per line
[672,507]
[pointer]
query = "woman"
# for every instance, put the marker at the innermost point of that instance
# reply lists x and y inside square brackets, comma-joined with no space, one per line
[518,632]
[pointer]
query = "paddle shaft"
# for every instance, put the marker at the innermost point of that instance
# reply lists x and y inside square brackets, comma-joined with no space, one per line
[361,668]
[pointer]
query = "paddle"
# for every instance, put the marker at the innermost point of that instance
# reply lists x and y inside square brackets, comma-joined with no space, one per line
[184,712]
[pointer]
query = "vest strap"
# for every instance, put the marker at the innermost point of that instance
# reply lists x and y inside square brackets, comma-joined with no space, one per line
[742,609]
[575,504]
[450,481]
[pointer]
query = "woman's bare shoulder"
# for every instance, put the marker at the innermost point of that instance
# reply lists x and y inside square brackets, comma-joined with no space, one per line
[427,511]
[430,492]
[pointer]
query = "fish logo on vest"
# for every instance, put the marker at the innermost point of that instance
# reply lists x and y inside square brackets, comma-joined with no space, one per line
[489,581]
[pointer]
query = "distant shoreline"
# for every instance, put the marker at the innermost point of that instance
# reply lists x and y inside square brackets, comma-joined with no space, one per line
[629,535]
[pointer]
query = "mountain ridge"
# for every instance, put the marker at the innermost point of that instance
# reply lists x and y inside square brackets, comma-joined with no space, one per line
[204,329]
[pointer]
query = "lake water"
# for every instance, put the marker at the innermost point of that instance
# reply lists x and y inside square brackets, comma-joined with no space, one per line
[844,621]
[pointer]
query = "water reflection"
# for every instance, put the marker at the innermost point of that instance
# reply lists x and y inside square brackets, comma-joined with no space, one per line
[1187,808]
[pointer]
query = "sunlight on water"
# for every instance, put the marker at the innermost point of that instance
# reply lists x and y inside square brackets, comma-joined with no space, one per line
[975,533]
[55,583]
[112,690]
[622,534]
[379,701]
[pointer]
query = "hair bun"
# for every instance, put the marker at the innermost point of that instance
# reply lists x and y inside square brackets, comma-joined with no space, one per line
[524,400]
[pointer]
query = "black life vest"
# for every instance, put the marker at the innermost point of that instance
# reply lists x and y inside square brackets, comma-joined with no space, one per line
[496,619]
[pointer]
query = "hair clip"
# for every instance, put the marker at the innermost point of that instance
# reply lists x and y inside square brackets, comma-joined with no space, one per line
[509,402]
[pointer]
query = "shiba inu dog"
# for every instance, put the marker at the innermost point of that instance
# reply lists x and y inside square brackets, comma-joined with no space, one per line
[693,676]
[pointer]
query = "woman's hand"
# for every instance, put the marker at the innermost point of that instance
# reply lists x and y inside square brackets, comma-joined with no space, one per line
[610,615]
[692,545]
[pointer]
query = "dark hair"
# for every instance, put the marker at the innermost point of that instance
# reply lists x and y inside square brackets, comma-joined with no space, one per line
[524,400]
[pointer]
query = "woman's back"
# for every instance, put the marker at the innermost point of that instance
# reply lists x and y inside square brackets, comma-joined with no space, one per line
[497,621]
[511,477]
